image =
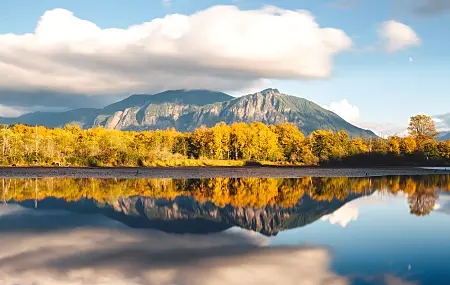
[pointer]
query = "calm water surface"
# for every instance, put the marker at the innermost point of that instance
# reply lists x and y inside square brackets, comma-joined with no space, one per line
[382,230]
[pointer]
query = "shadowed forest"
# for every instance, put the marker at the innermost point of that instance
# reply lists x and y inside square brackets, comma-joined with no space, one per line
[422,191]
[234,145]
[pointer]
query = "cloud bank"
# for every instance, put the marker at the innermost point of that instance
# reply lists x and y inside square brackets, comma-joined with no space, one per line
[220,48]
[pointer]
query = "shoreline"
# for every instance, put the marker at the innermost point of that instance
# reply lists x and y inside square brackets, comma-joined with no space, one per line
[194,172]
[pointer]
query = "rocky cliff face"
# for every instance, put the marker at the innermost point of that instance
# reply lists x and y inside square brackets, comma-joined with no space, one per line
[267,220]
[268,106]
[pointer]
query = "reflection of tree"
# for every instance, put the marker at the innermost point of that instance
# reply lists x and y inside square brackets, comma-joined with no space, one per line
[237,192]
[330,188]
[421,203]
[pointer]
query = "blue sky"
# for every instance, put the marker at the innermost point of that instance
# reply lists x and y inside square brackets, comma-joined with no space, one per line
[385,87]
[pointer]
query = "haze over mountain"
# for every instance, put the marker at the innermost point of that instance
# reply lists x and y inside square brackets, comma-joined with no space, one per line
[187,110]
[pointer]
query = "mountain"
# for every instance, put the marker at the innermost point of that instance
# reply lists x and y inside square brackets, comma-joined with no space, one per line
[444,136]
[187,110]
[184,214]
[82,117]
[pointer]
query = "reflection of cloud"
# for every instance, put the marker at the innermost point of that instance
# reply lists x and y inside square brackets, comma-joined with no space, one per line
[350,211]
[262,239]
[393,280]
[443,204]
[386,279]
[343,216]
[115,254]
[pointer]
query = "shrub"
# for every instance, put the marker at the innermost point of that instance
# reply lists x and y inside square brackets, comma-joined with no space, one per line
[94,162]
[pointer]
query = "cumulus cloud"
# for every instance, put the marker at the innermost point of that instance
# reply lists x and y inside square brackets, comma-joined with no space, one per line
[80,249]
[397,36]
[344,109]
[220,48]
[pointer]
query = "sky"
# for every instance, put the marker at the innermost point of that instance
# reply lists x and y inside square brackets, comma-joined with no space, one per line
[375,63]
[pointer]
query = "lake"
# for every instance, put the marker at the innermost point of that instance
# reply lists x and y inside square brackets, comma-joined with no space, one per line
[312,230]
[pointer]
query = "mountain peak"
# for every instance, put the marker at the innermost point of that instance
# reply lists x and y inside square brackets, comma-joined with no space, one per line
[270,91]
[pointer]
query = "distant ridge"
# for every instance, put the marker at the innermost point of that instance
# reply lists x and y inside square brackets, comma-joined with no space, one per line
[187,110]
[444,136]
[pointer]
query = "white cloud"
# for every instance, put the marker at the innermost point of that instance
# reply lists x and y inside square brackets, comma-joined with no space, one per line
[397,36]
[6,111]
[437,120]
[219,48]
[351,113]
[385,129]
[167,3]
[90,249]
[345,110]
[442,122]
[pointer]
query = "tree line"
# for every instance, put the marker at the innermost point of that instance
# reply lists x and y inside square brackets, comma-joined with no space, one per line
[235,144]
[237,192]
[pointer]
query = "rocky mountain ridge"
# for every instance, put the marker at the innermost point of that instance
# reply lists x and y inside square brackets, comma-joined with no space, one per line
[184,214]
[188,110]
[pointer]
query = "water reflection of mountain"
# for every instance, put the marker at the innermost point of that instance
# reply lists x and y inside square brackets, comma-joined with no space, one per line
[265,205]
[184,214]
